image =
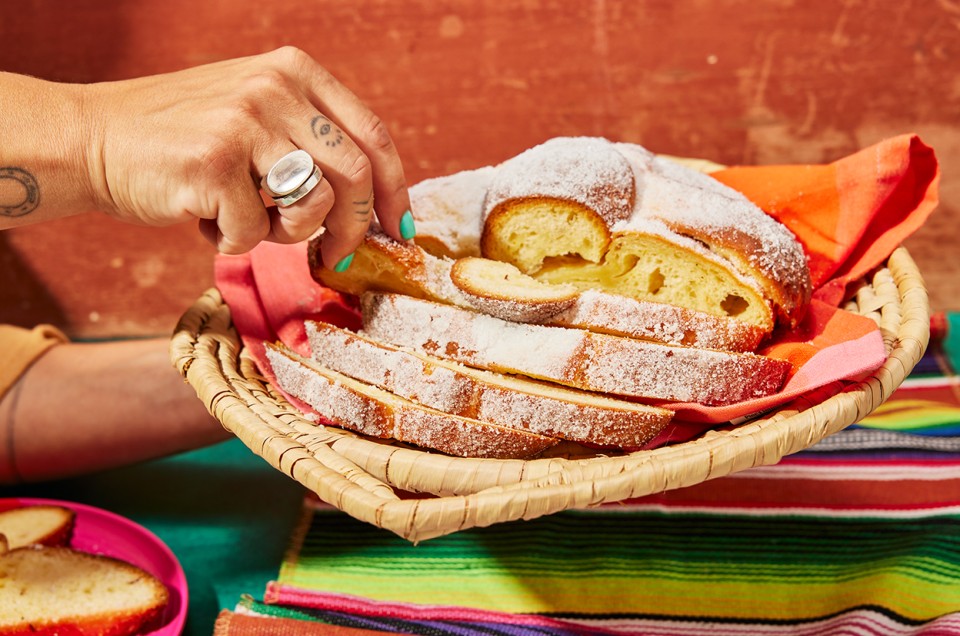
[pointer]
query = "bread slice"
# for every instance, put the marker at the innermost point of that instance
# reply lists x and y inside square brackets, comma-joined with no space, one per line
[384,264]
[502,290]
[57,590]
[512,401]
[366,409]
[572,357]
[37,525]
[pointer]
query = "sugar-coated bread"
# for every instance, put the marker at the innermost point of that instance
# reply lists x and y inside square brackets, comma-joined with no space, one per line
[614,217]
[682,238]
[369,410]
[56,590]
[448,211]
[572,357]
[511,401]
[502,290]
[384,264]
[37,525]
[694,205]
[556,200]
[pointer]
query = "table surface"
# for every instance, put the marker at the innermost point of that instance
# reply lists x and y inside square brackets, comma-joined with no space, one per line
[226,514]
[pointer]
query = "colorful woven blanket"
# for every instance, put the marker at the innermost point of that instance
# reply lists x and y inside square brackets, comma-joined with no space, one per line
[859,534]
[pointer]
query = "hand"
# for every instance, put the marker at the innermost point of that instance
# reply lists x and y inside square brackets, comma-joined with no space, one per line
[196,143]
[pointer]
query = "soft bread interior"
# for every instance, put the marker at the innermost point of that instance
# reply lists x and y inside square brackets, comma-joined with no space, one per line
[495,279]
[80,592]
[373,268]
[47,525]
[648,267]
[529,231]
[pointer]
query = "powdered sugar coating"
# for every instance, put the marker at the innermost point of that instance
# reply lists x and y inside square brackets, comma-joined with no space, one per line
[626,316]
[693,204]
[372,411]
[587,170]
[485,396]
[388,368]
[450,209]
[582,359]
[331,399]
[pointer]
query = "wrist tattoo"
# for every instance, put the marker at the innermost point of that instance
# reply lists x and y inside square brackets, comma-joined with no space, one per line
[364,208]
[24,195]
[324,130]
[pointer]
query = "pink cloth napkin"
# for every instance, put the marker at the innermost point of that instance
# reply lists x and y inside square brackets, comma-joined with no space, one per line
[877,197]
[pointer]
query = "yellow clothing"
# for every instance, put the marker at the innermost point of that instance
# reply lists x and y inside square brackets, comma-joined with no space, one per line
[19,348]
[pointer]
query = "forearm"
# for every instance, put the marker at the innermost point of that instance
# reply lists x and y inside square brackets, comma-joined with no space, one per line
[46,157]
[89,407]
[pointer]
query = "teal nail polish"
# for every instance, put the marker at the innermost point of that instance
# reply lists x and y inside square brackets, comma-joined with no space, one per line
[407,229]
[344,264]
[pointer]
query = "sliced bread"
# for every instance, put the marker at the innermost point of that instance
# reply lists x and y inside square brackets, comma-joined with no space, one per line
[37,525]
[572,357]
[57,590]
[384,264]
[369,410]
[512,401]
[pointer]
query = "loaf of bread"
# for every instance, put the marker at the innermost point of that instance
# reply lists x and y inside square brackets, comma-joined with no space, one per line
[57,590]
[369,410]
[657,231]
[384,264]
[572,357]
[37,525]
[510,401]
[564,294]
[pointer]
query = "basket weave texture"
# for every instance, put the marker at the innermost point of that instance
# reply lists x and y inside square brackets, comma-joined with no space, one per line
[372,480]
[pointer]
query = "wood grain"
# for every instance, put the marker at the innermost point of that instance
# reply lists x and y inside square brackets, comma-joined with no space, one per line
[464,84]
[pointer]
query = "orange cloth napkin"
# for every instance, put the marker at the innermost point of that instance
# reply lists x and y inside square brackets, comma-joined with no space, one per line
[849,215]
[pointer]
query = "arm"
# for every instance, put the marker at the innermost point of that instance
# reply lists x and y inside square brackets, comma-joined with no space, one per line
[89,407]
[193,145]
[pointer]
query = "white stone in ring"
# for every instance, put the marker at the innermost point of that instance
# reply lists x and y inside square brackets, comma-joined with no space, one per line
[289,173]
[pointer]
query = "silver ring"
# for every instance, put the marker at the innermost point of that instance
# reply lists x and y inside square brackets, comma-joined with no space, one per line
[291,178]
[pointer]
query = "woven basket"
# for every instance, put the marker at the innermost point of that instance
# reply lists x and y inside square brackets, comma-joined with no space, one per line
[372,480]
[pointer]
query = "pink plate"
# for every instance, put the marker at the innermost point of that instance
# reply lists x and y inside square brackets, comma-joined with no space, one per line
[100,532]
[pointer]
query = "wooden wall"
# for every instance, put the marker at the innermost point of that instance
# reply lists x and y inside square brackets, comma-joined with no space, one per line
[463,84]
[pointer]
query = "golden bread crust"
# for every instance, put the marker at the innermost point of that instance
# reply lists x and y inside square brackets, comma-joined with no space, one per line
[481,395]
[56,590]
[369,410]
[572,357]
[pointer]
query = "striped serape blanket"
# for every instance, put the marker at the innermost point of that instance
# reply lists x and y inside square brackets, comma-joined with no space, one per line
[859,534]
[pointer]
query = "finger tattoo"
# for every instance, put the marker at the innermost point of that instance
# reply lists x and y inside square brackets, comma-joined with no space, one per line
[19,192]
[364,208]
[324,130]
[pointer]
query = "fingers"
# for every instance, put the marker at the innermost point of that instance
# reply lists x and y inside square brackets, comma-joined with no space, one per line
[370,135]
[301,219]
[349,172]
[277,103]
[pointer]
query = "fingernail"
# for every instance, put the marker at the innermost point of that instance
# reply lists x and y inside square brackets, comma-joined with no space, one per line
[407,229]
[344,263]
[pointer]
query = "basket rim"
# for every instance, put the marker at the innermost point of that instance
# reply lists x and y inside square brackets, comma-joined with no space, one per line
[362,477]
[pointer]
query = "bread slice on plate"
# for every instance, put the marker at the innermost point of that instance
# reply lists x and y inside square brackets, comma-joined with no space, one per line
[37,525]
[366,409]
[511,401]
[56,590]
[572,357]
